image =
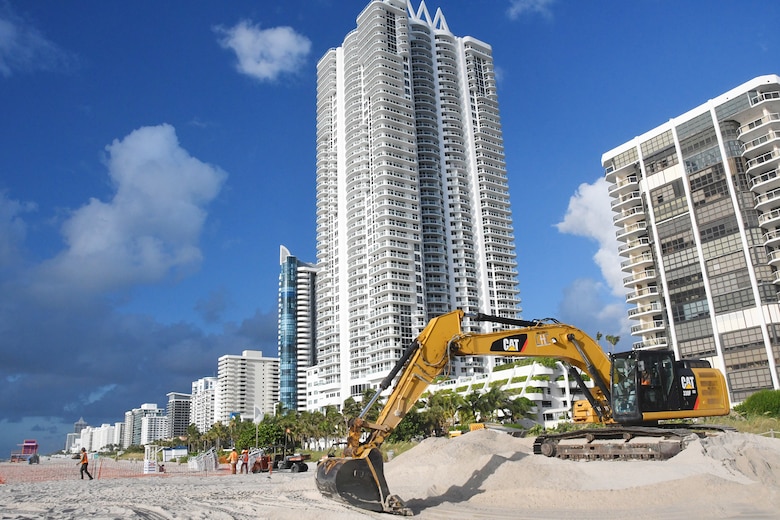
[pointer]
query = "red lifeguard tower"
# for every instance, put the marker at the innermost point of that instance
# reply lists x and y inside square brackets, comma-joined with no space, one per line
[28,453]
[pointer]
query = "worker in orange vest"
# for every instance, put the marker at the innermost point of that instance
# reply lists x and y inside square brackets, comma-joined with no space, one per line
[84,463]
[245,461]
[233,459]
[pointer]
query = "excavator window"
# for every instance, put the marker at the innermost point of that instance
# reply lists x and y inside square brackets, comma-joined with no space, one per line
[624,386]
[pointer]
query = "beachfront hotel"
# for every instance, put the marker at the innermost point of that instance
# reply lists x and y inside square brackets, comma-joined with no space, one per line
[246,383]
[697,211]
[413,212]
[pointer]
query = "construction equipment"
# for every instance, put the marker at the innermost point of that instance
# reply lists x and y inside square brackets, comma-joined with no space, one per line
[631,392]
[282,456]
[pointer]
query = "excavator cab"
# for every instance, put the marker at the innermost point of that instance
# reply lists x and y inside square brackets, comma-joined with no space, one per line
[648,386]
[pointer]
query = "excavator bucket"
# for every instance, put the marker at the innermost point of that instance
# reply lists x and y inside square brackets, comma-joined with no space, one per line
[358,482]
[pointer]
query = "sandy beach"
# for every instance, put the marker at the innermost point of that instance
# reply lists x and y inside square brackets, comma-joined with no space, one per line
[483,474]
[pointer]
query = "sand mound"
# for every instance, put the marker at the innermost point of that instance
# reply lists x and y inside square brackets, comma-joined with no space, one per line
[491,472]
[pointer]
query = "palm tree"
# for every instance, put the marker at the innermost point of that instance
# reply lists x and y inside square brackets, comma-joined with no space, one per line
[612,340]
[193,437]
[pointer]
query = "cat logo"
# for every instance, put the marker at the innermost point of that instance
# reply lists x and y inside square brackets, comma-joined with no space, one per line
[512,345]
[688,382]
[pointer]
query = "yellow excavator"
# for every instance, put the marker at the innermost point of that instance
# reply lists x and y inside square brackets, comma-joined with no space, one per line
[630,393]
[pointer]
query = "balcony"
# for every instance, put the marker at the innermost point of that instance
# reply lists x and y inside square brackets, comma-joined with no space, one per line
[766,181]
[634,246]
[762,161]
[764,96]
[651,326]
[631,230]
[643,310]
[774,257]
[629,281]
[637,261]
[622,186]
[651,344]
[760,144]
[629,215]
[626,201]
[769,218]
[744,131]
[772,238]
[646,293]
[768,200]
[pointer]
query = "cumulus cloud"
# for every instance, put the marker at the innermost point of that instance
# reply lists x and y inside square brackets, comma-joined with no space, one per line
[150,228]
[518,8]
[589,215]
[265,54]
[24,49]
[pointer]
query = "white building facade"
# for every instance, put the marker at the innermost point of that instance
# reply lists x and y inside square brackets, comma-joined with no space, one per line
[413,210]
[246,383]
[178,412]
[697,207]
[202,403]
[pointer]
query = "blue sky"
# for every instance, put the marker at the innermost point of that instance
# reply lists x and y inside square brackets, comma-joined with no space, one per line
[155,155]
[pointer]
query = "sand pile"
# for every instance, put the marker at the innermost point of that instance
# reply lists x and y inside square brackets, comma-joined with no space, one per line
[483,474]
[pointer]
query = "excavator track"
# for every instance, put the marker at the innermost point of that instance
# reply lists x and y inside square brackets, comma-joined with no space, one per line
[617,443]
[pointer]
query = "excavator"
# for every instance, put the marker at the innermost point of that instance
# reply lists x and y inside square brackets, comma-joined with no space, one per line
[629,394]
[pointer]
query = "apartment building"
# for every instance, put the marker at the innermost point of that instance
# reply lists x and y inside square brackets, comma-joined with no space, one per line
[697,211]
[413,210]
[246,383]
[202,403]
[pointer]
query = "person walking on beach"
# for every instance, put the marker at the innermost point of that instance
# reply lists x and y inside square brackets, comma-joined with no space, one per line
[233,459]
[84,464]
[244,461]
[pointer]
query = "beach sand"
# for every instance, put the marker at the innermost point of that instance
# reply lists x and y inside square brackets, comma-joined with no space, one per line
[483,474]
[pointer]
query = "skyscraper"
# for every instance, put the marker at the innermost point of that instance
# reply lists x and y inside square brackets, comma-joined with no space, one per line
[413,212]
[296,325]
[697,207]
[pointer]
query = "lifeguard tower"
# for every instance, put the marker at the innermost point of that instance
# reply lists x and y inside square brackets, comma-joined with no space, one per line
[28,453]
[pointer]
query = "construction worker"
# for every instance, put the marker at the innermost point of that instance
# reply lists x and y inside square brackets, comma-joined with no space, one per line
[233,459]
[84,463]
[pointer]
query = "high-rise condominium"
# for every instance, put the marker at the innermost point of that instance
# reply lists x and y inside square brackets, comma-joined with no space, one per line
[697,206]
[296,325]
[413,213]
[245,384]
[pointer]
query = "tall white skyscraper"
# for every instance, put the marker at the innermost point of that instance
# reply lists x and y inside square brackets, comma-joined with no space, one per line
[245,383]
[697,206]
[413,212]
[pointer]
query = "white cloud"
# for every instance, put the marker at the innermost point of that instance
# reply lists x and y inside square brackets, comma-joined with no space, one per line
[265,54]
[150,228]
[518,8]
[590,215]
[23,48]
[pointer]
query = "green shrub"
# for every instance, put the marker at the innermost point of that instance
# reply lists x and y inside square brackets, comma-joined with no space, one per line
[764,403]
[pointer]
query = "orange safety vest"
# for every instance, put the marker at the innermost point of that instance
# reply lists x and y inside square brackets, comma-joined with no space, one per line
[84,457]
[245,455]
[233,457]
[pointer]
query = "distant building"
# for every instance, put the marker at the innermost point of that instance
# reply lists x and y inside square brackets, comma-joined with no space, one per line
[697,210]
[134,424]
[178,412]
[245,383]
[79,425]
[202,403]
[296,326]
[153,428]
